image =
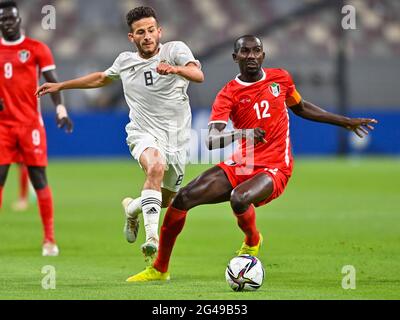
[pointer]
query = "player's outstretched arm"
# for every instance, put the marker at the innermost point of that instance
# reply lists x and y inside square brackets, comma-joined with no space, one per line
[62,119]
[91,81]
[309,111]
[217,138]
[191,71]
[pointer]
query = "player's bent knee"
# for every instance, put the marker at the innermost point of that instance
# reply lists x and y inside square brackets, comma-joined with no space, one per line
[156,171]
[166,200]
[182,200]
[3,175]
[239,201]
[38,177]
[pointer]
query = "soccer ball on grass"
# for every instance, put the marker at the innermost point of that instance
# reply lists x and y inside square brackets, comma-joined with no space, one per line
[244,273]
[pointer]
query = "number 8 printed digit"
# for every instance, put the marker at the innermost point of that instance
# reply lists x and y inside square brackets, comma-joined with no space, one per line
[36,137]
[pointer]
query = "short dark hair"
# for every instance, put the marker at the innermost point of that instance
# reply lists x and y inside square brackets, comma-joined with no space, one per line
[140,13]
[8,4]
[236,46]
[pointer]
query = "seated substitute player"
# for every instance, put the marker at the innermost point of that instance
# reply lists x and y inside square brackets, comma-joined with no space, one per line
[22,132]
[258,99]
[155,81]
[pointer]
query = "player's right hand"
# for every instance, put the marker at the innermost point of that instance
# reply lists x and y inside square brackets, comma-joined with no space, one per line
[47,88]
[257,135]
[166,69]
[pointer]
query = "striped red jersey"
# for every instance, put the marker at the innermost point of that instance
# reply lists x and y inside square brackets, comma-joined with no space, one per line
[21,64]
[262,104]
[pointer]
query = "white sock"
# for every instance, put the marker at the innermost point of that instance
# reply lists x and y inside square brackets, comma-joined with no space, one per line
[134,207]
[151,207]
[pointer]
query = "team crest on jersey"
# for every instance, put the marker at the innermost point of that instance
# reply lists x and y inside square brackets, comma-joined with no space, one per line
[24,55]
[275,89]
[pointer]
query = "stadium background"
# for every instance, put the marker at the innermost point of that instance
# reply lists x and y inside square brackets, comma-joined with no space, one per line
[336,211]
[300,36]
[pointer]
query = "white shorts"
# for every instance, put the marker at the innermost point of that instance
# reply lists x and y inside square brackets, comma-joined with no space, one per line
[138,142]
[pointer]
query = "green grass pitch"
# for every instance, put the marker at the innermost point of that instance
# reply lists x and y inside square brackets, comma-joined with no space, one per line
[333,213]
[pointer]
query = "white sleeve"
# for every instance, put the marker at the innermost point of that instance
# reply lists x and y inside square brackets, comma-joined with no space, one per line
[182,55]
[114,71]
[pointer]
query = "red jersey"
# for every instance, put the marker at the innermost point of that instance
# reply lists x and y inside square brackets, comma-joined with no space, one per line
[261,104]
[21,64]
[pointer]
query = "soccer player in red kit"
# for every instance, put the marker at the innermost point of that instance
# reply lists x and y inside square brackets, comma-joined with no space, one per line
[257,102]
[22,132]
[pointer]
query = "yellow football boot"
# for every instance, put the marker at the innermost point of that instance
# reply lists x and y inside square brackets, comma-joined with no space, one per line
[149,274]
[253,251]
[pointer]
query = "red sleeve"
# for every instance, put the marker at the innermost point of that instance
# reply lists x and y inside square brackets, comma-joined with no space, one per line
[222,107]
[45,58]
[293,97]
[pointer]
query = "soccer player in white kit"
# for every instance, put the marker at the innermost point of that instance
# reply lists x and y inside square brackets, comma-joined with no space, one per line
[155,81]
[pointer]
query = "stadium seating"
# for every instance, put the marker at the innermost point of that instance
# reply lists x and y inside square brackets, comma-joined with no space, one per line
[85,30]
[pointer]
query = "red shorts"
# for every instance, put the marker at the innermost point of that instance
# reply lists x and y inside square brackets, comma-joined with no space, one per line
[26,144]
[238,174]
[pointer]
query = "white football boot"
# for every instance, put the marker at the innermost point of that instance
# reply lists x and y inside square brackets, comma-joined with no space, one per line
[131,227]
[20,205]
[149,249]
[50,250]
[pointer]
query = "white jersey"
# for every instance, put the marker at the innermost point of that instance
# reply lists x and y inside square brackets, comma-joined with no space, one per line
[159,104]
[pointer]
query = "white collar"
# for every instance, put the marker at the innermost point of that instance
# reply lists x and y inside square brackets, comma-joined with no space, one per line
[250,83]
[12,43]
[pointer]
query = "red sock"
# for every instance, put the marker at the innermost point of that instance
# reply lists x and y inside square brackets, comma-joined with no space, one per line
[45,201]
[174,221]
[23,182]
[247,222]
[1,196]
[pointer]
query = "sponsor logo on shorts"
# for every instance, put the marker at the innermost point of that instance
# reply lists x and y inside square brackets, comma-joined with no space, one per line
[273,171]
[230,163]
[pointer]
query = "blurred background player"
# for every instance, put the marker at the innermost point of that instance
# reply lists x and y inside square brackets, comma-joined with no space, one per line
[26,192]
[155,81]
[22,132]
[256,101]
[22,203]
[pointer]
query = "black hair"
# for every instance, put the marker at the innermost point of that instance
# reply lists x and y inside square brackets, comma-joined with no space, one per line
[140,13]
[237,45]
[8,4]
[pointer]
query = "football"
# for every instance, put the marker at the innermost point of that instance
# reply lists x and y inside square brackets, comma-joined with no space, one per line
[245,273]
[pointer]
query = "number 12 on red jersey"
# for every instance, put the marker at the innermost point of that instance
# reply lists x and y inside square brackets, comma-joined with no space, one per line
[262,110]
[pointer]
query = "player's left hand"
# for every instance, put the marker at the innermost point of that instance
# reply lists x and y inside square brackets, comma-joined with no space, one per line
[165,69]
[360,126]
[65,123]
[62,119]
